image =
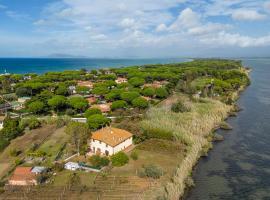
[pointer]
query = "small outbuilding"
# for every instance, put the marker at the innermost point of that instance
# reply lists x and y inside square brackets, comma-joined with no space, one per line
[39,170]
[73,166]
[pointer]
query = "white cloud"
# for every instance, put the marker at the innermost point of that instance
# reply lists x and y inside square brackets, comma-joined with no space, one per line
[115,27]
[161,28]
[187,18]
[127,23]
[249,15]
[229,39]
[208,29]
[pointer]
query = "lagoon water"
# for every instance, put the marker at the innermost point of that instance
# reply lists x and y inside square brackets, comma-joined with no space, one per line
[42,65]
[239,167]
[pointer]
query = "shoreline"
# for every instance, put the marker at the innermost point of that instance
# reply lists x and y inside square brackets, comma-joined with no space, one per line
[184,188]
[179,187]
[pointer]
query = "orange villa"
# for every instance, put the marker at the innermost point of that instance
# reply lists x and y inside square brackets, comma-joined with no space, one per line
[108,141]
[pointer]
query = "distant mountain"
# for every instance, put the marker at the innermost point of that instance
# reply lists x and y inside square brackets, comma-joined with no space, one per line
[59,55]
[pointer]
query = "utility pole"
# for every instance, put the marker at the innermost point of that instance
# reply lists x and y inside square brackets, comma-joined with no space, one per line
[78,147]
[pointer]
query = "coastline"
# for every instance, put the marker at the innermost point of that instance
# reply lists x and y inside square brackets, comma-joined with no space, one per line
[179,187]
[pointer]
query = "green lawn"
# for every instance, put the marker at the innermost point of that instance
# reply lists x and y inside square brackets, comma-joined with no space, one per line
[86,178]
[54,144]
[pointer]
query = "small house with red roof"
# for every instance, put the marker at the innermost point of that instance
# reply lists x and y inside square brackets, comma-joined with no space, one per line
[23,176]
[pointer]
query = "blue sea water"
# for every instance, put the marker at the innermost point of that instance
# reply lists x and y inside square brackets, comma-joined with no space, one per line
[42,65]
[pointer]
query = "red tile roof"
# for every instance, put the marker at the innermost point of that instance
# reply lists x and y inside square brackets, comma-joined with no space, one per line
[22,174]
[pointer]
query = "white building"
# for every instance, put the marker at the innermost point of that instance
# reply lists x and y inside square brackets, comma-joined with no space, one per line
[72,166]
[120,80]
[108,141]
[38,170]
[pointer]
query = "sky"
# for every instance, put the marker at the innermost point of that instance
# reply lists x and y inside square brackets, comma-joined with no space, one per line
[134,28]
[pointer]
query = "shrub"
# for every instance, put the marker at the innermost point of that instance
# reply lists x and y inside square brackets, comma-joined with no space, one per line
[59,166]
[159,133]
[70,112]
[119,159]
[140,102]
[33,123]
[18,161]
[151,171]
[119,104]
[180,107]
[134,155]
[98,161]
[141,173]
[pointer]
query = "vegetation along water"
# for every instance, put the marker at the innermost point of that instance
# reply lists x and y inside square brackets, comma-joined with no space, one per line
[238,167]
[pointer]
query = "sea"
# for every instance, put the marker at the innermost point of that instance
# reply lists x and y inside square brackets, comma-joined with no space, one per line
[43,65]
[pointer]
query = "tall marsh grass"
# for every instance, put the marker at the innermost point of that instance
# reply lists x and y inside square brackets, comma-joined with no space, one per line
[191,128]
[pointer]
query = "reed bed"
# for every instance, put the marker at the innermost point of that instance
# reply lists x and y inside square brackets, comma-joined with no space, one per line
[191,128]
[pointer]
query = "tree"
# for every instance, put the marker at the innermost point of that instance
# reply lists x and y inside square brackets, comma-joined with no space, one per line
[119,159]
[22,91]
[92,111]
[161,93]
[101,90]
[79,133]
[118,104]
[78,103]
[97,121]
[129,96]
[61,90]
[149,92]
[57,102]
[36,107]
[140,102]
[136,81]
[82,90]
[111,96]
[11,129]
